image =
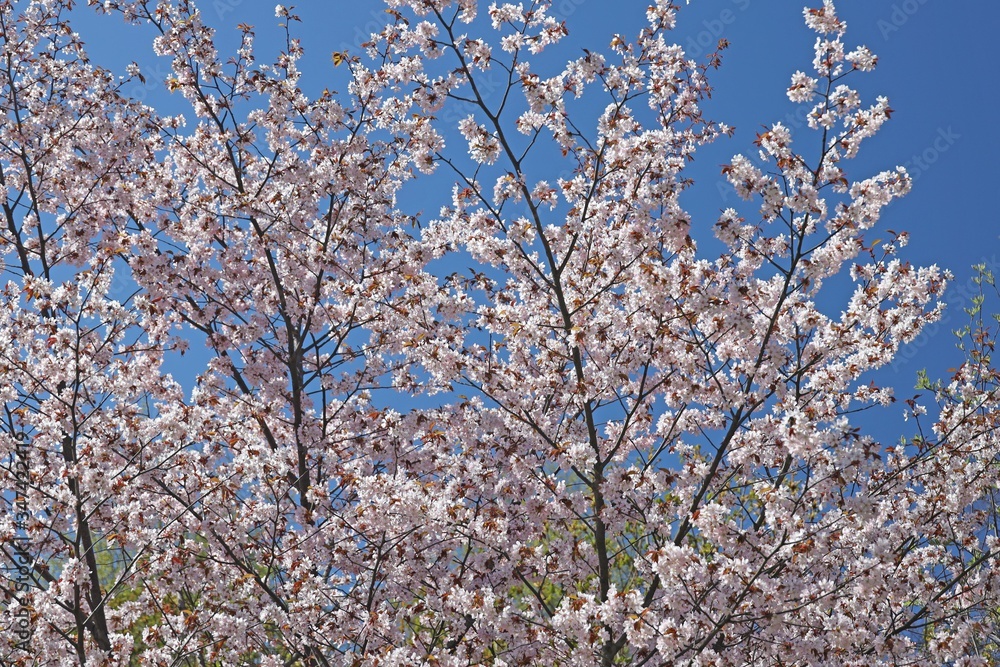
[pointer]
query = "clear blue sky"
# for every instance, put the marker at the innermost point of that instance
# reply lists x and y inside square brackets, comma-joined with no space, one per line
[937,67]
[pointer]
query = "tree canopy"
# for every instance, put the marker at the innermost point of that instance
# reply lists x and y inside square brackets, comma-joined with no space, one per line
[538,426]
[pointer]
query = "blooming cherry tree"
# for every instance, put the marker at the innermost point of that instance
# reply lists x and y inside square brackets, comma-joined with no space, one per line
[541,427]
